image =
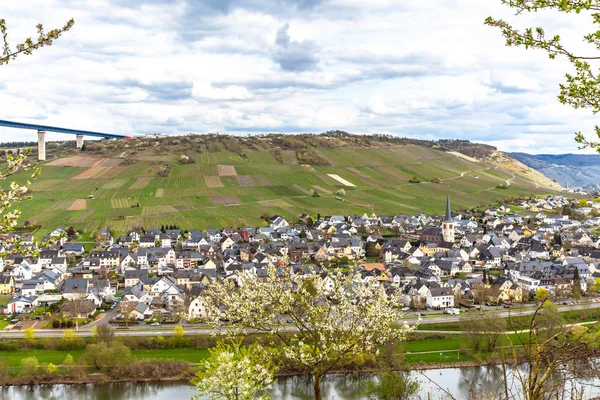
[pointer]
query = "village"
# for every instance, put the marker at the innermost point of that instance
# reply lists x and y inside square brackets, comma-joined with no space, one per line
[447,263]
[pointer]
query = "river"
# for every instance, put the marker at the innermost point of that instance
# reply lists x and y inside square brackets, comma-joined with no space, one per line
[456,381]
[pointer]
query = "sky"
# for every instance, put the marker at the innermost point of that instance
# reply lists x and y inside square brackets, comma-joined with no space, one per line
[423,69]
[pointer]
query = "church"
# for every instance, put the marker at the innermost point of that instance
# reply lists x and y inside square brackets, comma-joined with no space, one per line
[445,233]
[448,224]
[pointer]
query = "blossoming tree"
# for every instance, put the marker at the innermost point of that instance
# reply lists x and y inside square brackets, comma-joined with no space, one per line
[235,372]
[320,319]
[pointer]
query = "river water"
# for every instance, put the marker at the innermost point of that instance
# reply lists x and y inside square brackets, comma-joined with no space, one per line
[457,381]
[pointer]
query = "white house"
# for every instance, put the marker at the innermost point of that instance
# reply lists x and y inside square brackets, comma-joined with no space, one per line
[197,308]
[19,305]
[440,298]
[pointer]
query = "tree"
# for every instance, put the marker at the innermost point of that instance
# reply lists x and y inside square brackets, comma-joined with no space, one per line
[541,294]
[549,358]
[127,308]
[234,372]
[392,385]
[29,367]
[29,45]
[102,355]
[479,292]
[104,333]
[331,323]
[178,331]
[29,334]
[51,369]
[576,291]
[15,193]
[582,203]
[75,308]
[475,327]
[582,87]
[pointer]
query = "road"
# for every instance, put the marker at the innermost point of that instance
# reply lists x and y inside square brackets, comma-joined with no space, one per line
[167,330]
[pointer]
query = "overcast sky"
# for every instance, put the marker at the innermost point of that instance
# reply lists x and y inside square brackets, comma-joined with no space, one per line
[425,69]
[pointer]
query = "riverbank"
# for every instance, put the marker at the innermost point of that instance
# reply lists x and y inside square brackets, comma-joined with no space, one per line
[184,372]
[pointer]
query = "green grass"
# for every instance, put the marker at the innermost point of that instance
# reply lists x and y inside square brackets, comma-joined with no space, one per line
[380,174]
[44,356]
[4,300]
[3,324]
[519,322]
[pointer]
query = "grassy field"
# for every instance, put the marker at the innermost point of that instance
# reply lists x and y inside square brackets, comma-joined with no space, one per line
[150,187]
[44,356]
[520,322]
[413,351]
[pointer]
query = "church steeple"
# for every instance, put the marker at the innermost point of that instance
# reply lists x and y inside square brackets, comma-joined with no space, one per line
[448,223]
[448,216]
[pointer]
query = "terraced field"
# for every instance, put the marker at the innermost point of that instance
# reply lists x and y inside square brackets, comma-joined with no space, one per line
[224,188]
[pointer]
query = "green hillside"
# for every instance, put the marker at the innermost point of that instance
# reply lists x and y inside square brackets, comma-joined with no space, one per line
[234,181]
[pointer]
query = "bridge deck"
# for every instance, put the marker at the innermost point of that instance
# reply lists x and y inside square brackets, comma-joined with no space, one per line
[21,125]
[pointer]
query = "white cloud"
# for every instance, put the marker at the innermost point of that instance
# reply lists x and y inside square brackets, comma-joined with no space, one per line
[428,69]
[205,90]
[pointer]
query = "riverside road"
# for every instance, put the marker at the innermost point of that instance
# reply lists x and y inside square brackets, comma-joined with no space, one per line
[167,330]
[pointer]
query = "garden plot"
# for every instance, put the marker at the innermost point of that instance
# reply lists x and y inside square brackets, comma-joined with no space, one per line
[341,180]
[141,182]
[224,200]
[82,161]
[226,170]
[300,188]
[78,205]
[264,181]
[213,181]
[245,181]
[160,192]
[92,172]
[358,172]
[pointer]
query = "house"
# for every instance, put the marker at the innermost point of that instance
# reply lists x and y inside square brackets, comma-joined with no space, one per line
[76,288]
[133,276]
[7,284]
[147,241]
[141,311]
[21,304]
[440,298]
[197,308]
[104,237]
[75,249]
[21,272]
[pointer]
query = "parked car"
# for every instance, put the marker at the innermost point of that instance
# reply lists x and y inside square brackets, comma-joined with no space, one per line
[155,324]
[454,311]
[405,308]
[420,314]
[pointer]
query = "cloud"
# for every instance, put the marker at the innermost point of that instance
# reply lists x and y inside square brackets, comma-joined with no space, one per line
[294,56]
[204,90]
[419,69]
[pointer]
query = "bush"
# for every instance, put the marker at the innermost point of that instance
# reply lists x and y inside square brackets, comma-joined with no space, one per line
[55,323]
[414,179]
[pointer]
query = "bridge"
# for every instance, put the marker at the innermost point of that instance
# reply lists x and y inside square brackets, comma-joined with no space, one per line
[42,129]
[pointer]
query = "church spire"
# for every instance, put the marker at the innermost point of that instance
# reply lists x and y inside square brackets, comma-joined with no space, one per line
[448,216]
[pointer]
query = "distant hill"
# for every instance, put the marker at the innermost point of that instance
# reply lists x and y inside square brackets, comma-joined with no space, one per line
[201,181]
[574,170]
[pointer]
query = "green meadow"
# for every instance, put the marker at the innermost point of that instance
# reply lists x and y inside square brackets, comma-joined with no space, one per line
[150,187]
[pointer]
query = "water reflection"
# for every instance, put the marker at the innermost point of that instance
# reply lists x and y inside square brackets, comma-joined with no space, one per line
[478,382]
